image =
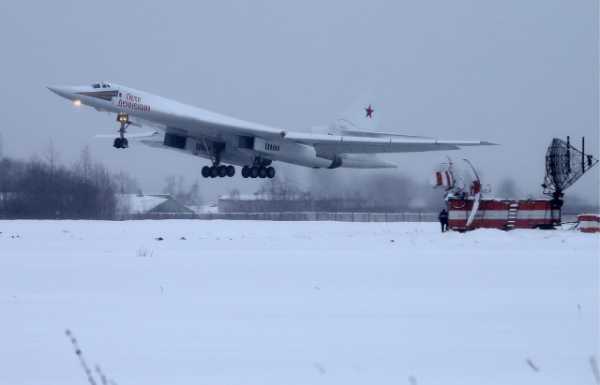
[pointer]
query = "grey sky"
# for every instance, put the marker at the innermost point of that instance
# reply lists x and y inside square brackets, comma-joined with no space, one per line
[514,72]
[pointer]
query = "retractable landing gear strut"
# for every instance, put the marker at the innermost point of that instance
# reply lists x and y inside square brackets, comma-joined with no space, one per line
[121,141]
[217,169]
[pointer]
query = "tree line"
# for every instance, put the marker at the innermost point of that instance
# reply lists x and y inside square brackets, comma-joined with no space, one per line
[41,188]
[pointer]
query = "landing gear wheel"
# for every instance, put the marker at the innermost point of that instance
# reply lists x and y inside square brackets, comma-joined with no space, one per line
[262,172]
[222,171]
[230,171]
[270,172]
[254,172]
[214,172]
[205,171]
[245,172]
[121,141]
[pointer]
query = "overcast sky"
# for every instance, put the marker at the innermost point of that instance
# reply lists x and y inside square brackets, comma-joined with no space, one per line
[514,72]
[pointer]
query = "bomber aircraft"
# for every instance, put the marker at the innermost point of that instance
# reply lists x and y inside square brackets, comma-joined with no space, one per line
[227,141]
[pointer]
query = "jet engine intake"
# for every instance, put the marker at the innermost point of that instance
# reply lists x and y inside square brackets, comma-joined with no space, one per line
[174,140]
[336,162]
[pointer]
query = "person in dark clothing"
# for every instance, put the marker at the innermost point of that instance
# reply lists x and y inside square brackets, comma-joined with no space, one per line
[443,217]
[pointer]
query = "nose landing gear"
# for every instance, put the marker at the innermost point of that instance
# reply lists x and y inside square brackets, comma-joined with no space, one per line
[121,141]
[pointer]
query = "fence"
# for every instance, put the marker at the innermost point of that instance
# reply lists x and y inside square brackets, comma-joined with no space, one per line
[325,216]
[307,216]
[158,216]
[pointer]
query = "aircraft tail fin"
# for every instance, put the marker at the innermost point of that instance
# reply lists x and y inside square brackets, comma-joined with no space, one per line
[362,115]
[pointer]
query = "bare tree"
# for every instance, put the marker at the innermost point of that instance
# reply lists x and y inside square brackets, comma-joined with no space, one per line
[194,197]
[46,189]
[175,186]
[126,184]
[85,164]
[51,155]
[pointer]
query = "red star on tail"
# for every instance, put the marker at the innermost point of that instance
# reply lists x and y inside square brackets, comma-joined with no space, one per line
[369,110]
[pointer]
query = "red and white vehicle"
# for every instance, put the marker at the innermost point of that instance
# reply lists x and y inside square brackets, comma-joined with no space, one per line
[468,209]
[588,223]
[502,214]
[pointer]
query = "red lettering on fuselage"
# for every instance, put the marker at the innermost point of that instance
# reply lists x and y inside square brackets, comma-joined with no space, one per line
[132,98]
[133,102]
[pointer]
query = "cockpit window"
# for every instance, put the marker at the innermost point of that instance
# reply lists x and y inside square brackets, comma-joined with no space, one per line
[97,85]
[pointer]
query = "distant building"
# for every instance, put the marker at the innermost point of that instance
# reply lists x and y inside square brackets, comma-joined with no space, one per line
[160,206]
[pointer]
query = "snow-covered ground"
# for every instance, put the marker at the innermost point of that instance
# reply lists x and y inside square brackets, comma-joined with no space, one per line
[234,302]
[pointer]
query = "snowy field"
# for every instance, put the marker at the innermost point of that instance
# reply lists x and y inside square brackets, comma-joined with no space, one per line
[253,303]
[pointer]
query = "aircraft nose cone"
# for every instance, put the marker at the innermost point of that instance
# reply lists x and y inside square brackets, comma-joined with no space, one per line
[63,91]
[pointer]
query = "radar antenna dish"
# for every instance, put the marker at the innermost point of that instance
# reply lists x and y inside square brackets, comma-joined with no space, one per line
[565,164]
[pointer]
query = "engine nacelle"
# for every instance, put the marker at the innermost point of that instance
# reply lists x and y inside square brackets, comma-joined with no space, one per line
[336,162]
[296,153]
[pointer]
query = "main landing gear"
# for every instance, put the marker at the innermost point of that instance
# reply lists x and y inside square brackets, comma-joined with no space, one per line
[258,172]
[261,169]
[229,171]
[218,171]
[121,141]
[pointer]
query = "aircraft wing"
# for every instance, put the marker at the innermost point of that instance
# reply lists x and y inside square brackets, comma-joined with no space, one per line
[346,144]
[141,135]
[201,123]
[378,134]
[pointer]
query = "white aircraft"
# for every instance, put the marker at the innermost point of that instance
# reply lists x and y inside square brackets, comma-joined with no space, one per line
[224,139]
